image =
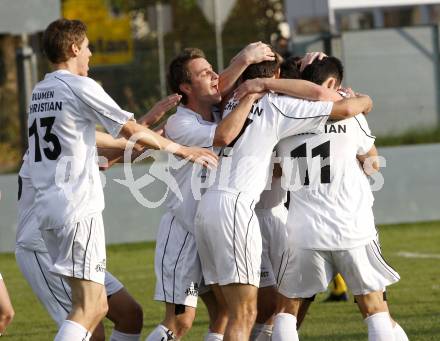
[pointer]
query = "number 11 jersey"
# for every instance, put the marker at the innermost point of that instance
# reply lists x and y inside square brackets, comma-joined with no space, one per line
[330,197]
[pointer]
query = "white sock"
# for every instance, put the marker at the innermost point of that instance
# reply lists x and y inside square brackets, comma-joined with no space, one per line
[118,336]
[261,332]
[213,337]
[284,328]
[380,327]
[72,331]
[399,333]
[161,333]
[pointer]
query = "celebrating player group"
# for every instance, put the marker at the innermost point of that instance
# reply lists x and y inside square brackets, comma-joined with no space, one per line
[243,140]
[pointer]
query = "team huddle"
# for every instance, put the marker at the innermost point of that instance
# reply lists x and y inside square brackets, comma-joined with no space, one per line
[245,138]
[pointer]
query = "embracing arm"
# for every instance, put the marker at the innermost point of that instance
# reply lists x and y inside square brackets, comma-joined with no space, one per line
[370,161]
[147,138]
[350,107]
[291,87]
[229,127]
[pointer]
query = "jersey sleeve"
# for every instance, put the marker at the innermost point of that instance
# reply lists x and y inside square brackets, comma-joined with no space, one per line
[297,116]
[100,108]
[189,131]
[366,140]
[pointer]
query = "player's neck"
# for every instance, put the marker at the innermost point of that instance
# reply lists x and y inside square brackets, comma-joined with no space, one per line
[68,65]
[202,109]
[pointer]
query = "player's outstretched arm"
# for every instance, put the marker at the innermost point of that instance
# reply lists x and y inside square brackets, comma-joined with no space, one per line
[229,128]
[159,109]
[149,139]
[350,107]
[251,54]
[292,87]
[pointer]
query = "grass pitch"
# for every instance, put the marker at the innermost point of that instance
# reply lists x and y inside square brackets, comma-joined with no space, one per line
[412,249]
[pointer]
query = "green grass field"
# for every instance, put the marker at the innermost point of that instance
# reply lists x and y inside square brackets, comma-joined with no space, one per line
[414,301]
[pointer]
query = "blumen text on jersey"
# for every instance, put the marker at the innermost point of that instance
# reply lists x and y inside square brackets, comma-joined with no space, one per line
[45,106]
[331,128]
[36,96]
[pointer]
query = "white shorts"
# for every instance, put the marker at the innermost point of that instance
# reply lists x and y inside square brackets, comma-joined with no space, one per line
[228,239]
[274,235]
[308,272]
[176,263]
[53,291]
[1,277]
[78,249]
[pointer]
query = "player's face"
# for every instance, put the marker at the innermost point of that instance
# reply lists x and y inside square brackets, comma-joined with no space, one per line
[204,82]
[83,58]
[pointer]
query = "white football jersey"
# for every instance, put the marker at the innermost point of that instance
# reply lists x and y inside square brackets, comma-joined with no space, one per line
[63,113]
[245,164]
[273,195]
[330,197]
[28,233]
[188,128]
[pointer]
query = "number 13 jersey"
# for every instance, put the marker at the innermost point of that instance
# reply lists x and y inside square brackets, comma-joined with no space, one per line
[63,114]
[330,196]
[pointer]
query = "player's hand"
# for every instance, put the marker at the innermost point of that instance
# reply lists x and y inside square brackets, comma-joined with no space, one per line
[202,156]
[256,53]
[309,58]
[368,101]
[346,92]
[251,86]
[159,109]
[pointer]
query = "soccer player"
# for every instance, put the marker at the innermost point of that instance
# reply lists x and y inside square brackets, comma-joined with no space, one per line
[177,264]
[6,309]
[330,223]
[230,245]
[64,109]
[53,291]
[34,261]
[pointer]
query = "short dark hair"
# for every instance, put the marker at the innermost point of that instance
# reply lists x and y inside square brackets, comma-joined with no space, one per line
[320,70]
[264,69]
[178,71]
[289,68]
[59,36]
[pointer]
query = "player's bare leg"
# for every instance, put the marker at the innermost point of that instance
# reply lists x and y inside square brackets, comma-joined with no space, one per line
[98,333]
[302,312]
[266,306]
[6,309]
[89,303]
[377,318]
[178,321]
[399,333]
[126,314]
[218,318]
[241,304]
[285,321]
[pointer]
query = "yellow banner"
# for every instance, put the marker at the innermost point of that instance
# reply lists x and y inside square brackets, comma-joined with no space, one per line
[110,36]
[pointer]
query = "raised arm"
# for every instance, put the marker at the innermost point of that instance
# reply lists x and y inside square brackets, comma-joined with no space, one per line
[292,87]
[229,127]
[251,54]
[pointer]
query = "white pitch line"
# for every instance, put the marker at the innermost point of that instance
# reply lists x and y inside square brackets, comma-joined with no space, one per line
[418,255]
